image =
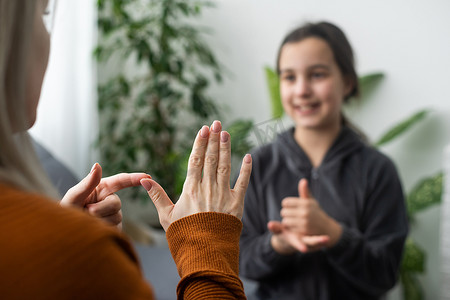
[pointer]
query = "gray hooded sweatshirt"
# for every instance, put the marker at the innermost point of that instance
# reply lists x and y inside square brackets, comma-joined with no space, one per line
[358,187]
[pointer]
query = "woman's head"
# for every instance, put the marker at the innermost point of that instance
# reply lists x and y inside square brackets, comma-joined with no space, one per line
[24,50]
[24,56]
[316,68]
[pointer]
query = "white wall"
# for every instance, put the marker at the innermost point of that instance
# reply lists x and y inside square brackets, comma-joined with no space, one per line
[67,112]
[407,40]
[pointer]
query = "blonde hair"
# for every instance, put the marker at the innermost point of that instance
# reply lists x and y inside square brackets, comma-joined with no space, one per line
[19,164]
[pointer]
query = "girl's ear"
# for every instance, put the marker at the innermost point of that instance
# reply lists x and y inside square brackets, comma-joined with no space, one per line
[349,85]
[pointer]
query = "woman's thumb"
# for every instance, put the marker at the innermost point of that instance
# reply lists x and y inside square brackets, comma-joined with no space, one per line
[159,197]
[78,194]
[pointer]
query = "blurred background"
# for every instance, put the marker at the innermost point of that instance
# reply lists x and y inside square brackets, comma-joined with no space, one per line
[115,63]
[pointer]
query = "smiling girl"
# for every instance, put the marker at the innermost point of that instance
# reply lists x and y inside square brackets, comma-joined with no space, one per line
[51,250]
[324,214]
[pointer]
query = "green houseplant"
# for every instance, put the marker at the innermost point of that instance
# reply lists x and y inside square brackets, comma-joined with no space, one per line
[155,99]
[427,192]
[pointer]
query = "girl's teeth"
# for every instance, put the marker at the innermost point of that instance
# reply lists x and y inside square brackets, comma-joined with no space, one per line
[306,107]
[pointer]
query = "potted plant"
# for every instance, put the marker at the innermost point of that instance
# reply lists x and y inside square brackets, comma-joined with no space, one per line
[155,100]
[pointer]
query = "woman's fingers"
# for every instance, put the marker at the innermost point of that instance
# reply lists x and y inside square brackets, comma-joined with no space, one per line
[79,194]
[115,219]
[212,153]
[109,206]
[197,157]
[115,183]
[162,202]
[244,176]
[107,210]
[224,167]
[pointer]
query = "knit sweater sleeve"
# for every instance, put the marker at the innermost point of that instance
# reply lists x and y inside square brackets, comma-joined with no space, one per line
[205,248]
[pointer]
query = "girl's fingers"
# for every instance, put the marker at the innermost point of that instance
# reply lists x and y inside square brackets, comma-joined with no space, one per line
[314,241]
[291,222]
[288,212]
[303,189]
[224,167]
[244,177]
[290,202]
[212,153]
[275,227]
[197,157]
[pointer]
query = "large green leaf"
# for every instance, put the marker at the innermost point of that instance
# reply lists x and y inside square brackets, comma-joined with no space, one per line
[274,90]
[369,81]
[426,193]
[239,133]
[401,127]
[412,290]
[413,257]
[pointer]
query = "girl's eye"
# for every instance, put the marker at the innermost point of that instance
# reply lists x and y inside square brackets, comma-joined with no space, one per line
[288,77]
[317,75]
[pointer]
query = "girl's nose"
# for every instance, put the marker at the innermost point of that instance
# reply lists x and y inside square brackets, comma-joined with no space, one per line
[302,88]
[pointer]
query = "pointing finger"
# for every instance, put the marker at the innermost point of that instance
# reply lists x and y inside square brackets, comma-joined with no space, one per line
[115,183]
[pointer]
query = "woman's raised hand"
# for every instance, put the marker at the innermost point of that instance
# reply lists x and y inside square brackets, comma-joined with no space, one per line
[207,185]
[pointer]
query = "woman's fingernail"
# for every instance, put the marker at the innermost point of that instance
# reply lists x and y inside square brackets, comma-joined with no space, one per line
[93,168]
[224,136]
[216,126]
[247,158]
[146,184]
[204,131]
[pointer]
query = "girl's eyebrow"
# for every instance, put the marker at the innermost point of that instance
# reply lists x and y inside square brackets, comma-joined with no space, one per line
[286,70]
[319,66]
[316,66]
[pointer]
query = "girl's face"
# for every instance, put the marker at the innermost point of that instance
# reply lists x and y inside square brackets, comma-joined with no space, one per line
[37,61]
[311,84]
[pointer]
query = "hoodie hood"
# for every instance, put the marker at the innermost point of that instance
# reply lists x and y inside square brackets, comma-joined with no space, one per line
[345,144]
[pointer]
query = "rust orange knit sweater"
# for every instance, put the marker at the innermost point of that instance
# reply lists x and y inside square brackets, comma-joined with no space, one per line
[50,252]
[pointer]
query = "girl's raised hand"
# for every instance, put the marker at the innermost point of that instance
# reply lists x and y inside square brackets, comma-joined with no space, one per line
[304,227]
[207,185]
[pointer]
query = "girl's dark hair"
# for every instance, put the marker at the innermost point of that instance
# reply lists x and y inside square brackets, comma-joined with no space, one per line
[336,40]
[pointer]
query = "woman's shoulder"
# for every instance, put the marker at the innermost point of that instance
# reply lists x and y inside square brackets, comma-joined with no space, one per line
[63,249]
[39,219]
